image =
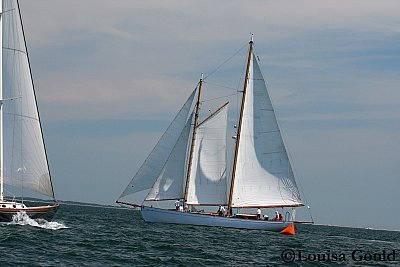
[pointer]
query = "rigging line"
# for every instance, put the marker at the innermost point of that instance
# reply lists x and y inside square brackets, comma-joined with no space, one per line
[224,96]
[22,116]
[304,195]
[8,191]
[12,151]
[237,89]
[223,63]
[14,49]
[223,86]
[211,116]
[5,11]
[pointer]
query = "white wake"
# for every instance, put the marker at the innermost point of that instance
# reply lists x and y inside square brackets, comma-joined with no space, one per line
[21,218]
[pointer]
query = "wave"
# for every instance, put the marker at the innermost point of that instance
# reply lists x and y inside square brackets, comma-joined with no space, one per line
[21,218]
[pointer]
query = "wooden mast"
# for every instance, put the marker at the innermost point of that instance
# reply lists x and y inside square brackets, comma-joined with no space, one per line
[240,127]
[196,119]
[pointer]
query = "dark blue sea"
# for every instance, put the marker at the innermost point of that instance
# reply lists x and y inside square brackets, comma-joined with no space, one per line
[99,236]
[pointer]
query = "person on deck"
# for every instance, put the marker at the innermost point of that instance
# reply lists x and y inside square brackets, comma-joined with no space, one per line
[221,211]
[276,218]
[265,217]
[280,217]
[181,204]
[177,204]
[258,214]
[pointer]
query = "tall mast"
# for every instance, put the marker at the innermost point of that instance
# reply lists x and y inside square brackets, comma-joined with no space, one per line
[1,105]
[239,127]
[196,119]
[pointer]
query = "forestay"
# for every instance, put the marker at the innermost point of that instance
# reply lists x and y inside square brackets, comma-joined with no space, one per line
[264,175]
[169,184]
[207,183]
[25,162]
[154,163]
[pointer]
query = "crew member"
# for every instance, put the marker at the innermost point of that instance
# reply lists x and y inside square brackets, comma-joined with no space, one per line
[258,214]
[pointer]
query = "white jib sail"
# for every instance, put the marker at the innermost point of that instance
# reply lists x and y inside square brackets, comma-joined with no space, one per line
[207,183]
[264,176]
[169,184]
[154,163]
[25,162]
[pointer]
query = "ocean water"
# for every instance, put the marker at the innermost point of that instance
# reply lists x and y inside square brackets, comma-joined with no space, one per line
[98,236]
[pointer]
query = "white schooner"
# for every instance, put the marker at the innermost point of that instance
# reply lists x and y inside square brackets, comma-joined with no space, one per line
[189,164]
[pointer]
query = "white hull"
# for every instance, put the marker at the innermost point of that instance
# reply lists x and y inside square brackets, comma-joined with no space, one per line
[150,214]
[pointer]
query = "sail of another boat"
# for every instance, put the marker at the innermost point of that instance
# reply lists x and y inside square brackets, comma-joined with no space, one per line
[23,159]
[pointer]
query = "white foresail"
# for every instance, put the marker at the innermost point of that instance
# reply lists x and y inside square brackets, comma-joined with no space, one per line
[264,175]
[25,162]
[207,183]
[169,184]
[154,163]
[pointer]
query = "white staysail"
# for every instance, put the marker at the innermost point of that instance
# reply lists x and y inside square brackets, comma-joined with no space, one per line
[169,185]
[154,163]
[207,183]
[25,162]
[264,175]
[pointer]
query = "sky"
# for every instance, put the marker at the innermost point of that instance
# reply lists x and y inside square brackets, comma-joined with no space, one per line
[111,75]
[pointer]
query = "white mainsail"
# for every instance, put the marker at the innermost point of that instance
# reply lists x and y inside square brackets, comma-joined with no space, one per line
[207,183]
[154,163]
[264,176]
[169,184]
[25,162]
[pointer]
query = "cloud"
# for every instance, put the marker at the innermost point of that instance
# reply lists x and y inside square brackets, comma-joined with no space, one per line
[157,43]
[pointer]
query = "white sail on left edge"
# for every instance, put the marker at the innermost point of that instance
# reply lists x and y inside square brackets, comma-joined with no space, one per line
[150,170]
[25,162]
